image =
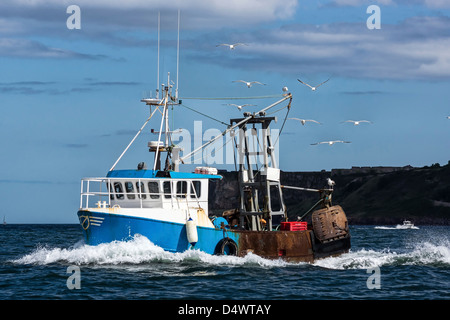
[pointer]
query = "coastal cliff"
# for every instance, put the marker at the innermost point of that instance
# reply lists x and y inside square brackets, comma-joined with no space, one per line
[368,195]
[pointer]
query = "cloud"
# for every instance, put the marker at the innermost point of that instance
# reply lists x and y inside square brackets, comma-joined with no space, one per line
[21,90]
[434,4]
[81,90]
[125,132]
[34,83]
[358,3]
[122,23]
[25,48]
[49,87]
[416,48]
[437,3]
[196,14]
[115,83]
[25,87]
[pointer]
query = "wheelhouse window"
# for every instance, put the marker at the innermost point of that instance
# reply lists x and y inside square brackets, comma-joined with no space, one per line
[140,189]
[153,189]
[130,190]
[167,188]
[181,189]
[111,190]
[195,189]
[118,190]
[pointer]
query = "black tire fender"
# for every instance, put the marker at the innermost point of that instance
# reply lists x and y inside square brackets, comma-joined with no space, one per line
[226,246]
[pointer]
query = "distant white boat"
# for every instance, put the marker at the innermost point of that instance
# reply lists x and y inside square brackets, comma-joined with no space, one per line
[407,224]
[4,221]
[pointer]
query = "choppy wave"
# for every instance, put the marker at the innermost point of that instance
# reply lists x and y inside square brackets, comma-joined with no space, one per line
[141,251]
[397,227]
[138,251]
[425,253]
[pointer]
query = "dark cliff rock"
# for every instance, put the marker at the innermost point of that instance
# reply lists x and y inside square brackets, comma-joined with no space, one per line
[369,195]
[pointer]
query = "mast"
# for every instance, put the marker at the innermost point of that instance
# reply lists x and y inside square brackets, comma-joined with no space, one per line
[163,146]
[178,54]
[167,99]
[157,72]
[257,188]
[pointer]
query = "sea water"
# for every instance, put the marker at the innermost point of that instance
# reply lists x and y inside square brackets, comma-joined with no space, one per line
[49,262]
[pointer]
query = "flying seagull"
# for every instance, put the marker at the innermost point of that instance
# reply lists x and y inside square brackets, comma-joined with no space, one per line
[249,84]
[231,46]
[303,121]
[357,122]
[240,106]
[448,117]
[330,142]
[330,182]
[313,88]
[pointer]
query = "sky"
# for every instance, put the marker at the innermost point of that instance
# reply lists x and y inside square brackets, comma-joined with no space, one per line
[70,98]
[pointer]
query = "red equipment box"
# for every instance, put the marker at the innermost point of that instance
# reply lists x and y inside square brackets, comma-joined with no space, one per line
[294,226]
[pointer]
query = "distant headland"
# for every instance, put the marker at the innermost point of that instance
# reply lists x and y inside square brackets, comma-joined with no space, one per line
[369,195]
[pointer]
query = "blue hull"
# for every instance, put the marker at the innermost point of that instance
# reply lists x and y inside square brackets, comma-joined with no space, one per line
[101,227]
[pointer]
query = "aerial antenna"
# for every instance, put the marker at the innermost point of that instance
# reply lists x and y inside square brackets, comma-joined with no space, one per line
[178,53]
[157,76]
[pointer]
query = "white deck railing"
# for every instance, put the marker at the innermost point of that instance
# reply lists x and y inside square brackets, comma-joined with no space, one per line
[101,192]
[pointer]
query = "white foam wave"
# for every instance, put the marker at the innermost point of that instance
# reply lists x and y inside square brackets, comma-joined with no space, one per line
[422,254]
[141,251]
[397,227]
[138,251]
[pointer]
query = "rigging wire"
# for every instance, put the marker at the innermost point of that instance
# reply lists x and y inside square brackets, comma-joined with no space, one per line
[139,132]
[229,126]
[284,121]
[205,115]
[215,150]
[277,110]
[233,98]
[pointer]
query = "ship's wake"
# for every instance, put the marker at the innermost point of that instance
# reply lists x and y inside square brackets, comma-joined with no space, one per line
[138,251]
[425,253]
[141,252]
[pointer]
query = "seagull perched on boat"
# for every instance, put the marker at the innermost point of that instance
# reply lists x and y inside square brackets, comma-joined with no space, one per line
[330,142]
[330,182]
[231,46]
[249,84]
[303,121]
[313,88]
[357,122]
[240,106]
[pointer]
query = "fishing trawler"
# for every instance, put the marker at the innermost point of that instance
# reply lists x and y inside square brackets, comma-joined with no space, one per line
[171,207]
